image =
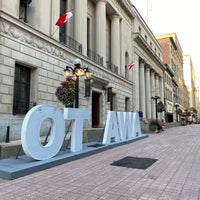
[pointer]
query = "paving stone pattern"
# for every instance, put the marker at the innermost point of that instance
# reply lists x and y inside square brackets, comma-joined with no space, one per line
[174,176]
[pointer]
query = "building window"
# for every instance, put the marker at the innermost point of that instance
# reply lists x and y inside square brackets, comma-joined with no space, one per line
[88,33]
[127,101]
[21,90]
[62,29]
[126,66]
[23,9]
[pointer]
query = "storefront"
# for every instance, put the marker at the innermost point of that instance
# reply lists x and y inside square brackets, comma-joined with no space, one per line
[169,111]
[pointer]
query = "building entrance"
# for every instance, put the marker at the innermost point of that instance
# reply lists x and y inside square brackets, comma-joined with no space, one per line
[95,109]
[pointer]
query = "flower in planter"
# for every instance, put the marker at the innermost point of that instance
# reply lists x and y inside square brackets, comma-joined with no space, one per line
[180,112]
[66,92]
[155,125]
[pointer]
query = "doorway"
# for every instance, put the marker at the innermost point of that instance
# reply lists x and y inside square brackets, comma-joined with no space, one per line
[95,109]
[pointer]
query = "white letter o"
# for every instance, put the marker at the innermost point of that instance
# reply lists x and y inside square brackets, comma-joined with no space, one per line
[30,133]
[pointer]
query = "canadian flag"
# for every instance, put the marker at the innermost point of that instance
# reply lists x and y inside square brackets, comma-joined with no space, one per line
[63,18]
[131,65]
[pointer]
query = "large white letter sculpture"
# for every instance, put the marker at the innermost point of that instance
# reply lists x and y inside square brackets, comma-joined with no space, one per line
[30,133]
[77,116]
[120,126]
[111,129]
[124,127]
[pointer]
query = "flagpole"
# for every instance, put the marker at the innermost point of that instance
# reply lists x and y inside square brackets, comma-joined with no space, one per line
[54,31]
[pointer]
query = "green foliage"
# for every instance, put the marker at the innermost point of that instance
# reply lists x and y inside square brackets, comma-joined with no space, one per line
[152,127]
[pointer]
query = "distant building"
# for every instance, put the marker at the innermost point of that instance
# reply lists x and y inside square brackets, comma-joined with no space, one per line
[190,81]
[173,58]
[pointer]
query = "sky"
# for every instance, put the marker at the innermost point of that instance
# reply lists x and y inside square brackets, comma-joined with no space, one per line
[175,16]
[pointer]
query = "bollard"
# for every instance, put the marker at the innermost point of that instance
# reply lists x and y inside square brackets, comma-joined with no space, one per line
[8,135]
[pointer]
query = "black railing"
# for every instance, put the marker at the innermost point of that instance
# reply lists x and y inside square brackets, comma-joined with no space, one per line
[112,67]
[95,57]
[71,43]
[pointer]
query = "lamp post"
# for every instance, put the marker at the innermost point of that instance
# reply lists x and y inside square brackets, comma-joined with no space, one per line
[74,74]
[176,105]
[155,98]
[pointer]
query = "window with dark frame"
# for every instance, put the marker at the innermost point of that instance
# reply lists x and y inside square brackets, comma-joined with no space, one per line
[126,103]
[21,90]
[23,10]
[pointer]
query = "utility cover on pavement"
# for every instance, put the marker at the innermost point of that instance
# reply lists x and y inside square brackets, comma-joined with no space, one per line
[135,162]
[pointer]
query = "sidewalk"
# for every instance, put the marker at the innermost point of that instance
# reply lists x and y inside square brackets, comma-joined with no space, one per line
[174,176]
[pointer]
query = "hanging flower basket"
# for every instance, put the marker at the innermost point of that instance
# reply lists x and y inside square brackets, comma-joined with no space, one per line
[66,92]
[160,106]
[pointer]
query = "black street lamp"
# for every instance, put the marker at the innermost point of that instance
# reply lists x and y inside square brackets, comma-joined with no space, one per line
[155,98]
[74,74]
[176,105]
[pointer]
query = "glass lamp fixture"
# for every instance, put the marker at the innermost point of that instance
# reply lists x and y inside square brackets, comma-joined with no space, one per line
[78,71]
[68,72]
[87,73]
[74,78]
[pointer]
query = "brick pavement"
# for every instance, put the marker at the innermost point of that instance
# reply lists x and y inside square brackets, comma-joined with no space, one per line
[175,176]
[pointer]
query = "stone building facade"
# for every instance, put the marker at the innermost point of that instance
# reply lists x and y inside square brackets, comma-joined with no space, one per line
[173,58]
[106,35]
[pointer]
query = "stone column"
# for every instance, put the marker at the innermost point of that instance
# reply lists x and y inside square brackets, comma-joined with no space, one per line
[11,7]
[37,19]
[148,93]
[115,40]
[161,89]
[157,86]
[55,9]
[71,23]
[101,29]
[136,97]
[142,90]
[153,110]
[80,31]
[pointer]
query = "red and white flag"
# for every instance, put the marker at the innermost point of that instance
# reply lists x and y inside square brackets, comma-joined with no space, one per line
[63,18]
[131,65]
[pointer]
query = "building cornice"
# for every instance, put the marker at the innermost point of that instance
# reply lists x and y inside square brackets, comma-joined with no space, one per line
[145,47]
[127,7]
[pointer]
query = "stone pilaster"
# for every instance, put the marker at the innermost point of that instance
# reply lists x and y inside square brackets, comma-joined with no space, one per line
[142,90]
[161,89]
[153,110]
[55,9]
[136,99]
[157,86]
[148,93]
